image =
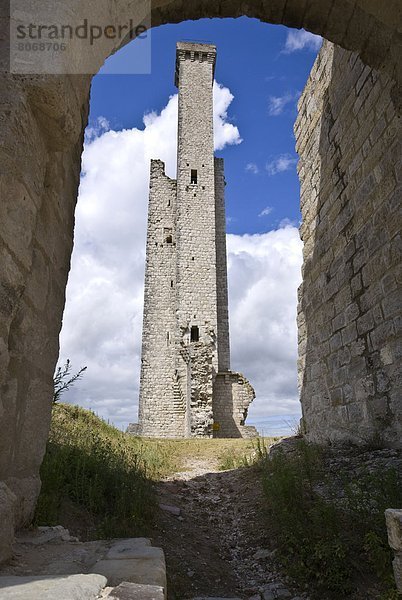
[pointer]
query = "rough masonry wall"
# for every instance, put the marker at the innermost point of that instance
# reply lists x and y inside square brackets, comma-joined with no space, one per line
[161,412]
[196,253]
[200,409]
[233,394]
[221,268]
[349,143]
[40,168]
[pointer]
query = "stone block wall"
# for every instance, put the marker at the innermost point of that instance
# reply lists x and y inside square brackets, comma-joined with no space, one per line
[200,409]
[186,323]
[195,224]
[161,412]
[349,140]
[232,396]
[221,268]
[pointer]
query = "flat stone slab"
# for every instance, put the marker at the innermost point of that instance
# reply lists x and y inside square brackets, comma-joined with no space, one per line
[149,568]
[62,587]
[136,591]
[44,535]
[130,548]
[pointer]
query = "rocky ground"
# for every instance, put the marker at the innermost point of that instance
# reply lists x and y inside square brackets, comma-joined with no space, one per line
[212,528]
[213,536]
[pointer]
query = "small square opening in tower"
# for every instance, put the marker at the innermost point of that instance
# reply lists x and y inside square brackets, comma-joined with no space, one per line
[193,178]
[195,333]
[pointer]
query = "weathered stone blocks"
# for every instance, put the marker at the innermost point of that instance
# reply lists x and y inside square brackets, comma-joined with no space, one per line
[346,123]
[185,347]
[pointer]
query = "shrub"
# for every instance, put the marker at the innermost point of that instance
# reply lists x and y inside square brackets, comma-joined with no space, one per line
[329,537]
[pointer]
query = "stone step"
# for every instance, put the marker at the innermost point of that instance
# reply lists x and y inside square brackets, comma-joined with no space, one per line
[133,561]
[132,566]
[135,591]
[51,587]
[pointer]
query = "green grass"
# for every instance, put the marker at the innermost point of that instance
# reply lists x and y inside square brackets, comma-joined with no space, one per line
[244,454]
[100,471]
[96,475]
[329,545]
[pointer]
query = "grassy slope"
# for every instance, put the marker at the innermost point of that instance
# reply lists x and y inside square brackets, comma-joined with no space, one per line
[97,481]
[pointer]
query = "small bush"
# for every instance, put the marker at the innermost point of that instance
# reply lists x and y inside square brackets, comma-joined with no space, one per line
[329,539]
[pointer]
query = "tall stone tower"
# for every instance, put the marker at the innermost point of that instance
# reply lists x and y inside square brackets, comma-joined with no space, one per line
[186,387]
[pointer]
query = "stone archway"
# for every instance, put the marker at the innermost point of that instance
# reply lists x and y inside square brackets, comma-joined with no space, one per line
[348,309]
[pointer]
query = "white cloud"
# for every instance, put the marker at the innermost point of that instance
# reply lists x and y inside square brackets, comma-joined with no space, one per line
[103,317]
[283,162]
[264,273]
[252,168]
[94,130]
[266,211]
[299,39]
[224,132]
[277,104]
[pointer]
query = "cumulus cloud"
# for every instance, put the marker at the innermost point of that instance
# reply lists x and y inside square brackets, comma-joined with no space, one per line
[266,211]
[299,39]
[264,273]
[283,162]
[103,317]
[224,132]
[252,168]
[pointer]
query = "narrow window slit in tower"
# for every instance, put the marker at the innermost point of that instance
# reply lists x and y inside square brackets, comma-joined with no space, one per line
[171,283]
[195,333]
[167,235]
[193,178]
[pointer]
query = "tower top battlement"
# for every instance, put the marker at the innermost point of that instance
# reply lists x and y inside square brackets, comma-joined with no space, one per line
[195,51]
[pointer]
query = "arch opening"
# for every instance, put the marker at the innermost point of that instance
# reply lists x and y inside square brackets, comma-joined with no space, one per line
[46,122]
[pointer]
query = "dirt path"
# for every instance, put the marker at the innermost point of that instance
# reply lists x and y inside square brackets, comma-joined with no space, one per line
[217,546]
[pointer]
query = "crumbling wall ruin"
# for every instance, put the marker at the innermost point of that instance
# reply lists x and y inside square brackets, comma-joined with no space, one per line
[233,395]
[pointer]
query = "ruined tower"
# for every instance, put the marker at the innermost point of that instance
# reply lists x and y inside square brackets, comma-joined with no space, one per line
[186,387]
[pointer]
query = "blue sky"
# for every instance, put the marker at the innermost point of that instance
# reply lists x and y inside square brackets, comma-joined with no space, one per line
[261,69]
[265,80]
